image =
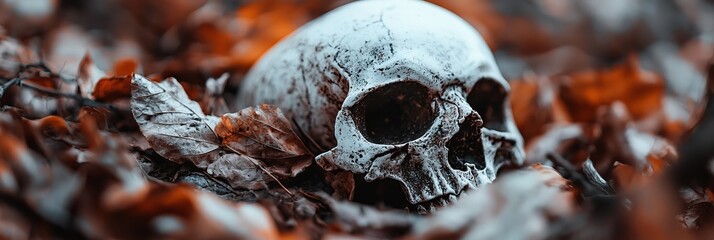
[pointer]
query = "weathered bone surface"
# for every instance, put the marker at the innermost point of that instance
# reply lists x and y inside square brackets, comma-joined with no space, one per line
[398,90]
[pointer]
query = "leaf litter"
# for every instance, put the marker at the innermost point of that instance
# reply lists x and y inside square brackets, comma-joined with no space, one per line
[616,113]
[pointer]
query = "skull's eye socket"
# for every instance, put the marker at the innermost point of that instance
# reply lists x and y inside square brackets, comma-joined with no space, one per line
[488,98]
[395,113]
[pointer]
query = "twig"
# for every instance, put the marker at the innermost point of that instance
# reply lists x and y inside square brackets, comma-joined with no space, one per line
[20,81]
[568,171]
[10,83]
[594,177]
[7,85]
[81,100]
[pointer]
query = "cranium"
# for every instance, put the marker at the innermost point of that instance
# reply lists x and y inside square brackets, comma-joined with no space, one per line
[400,91]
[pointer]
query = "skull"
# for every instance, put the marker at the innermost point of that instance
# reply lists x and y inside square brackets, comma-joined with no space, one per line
[399,93]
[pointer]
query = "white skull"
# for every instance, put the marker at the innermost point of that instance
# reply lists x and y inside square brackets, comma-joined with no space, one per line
[397,90]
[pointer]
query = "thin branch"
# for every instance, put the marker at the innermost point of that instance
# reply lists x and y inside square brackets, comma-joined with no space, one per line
[9,83]
[19,80]
[568,171]
[81,100]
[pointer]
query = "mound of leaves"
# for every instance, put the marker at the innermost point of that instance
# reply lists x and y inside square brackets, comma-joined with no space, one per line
[115,125]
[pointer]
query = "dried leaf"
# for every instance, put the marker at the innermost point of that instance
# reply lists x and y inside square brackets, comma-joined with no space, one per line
[123,67]
[239,172]
[535,106]
[174,125]
[265,134]
[109,89]
[640,90]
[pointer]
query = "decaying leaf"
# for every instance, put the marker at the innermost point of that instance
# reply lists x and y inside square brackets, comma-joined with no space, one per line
[239,172]
[264,133]
[174,125]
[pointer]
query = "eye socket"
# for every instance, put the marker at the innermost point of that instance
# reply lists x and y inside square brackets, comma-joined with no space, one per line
[395,113]
[488,98]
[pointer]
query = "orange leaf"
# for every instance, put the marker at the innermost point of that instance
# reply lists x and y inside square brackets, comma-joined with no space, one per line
[112,88]
[641,91]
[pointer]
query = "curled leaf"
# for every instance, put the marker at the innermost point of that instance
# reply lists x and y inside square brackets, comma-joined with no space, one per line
[264,133]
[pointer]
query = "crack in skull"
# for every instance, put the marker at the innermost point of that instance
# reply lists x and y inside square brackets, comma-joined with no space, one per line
[416,101]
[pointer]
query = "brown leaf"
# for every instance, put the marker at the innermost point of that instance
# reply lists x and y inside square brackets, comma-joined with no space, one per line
[126,66]
[109,89]
[239,172]
[264,133]
[535,106]
[640,90]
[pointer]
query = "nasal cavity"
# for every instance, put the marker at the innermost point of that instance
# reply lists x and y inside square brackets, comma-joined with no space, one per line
[380,193]
[466,146]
